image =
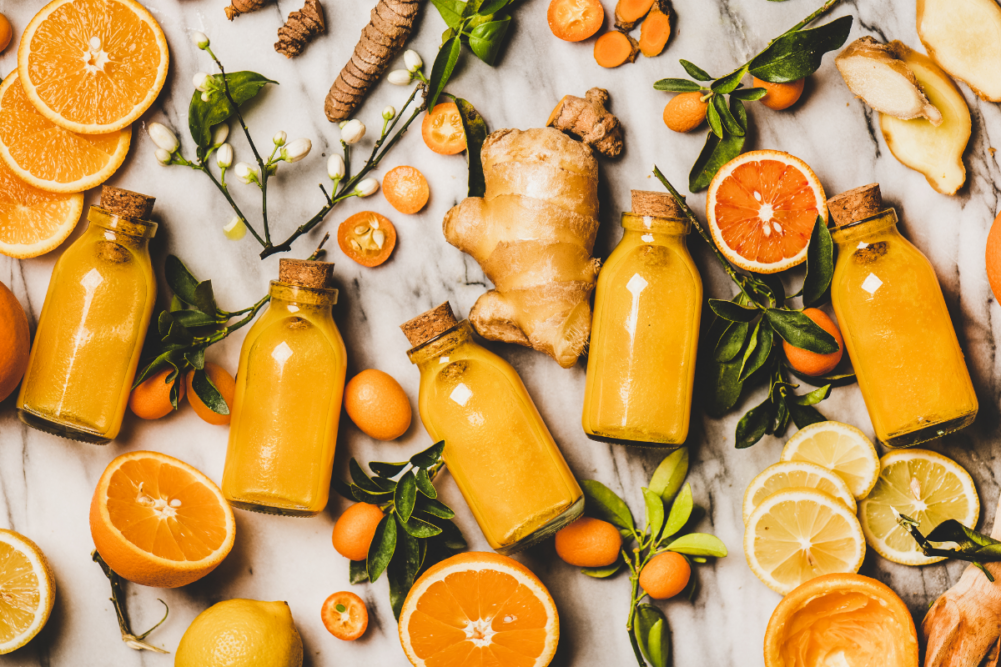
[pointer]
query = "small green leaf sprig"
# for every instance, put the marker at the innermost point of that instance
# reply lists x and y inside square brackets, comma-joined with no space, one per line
[971,546]
[670,514]
[416,530]
[791,56]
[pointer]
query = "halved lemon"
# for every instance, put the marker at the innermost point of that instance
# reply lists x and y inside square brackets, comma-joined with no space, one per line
[788,474]
[47,156]
[762,207]
[927,487]
[797,534]
[479,609]
[92,66]
[27,590]
[840,448]
[32,221]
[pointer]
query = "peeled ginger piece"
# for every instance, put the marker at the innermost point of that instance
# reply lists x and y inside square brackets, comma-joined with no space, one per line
[964,38]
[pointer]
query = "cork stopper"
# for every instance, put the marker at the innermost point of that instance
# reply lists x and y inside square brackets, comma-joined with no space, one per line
[430,324]
[855,205]
[306,273]
[656,205]
[125,203]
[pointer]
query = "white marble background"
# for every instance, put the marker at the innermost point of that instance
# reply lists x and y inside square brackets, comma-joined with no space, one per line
[46,483]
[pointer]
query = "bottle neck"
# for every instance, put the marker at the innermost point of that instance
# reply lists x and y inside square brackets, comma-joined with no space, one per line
[645,224]
[302,297]
[851,235]
[442,345]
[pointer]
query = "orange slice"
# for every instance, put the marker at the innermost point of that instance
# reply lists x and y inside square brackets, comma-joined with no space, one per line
[478,609]
[92,66]
[32,221]
[49,157]
[159,522]
[762,207]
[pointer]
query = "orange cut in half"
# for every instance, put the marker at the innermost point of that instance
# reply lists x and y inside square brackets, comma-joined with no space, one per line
[92,66]
[32,221]
[479,609]
[762,207]
[49,157]
[159,522]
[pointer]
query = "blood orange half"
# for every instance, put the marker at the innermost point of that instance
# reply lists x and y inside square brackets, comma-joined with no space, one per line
[762,207]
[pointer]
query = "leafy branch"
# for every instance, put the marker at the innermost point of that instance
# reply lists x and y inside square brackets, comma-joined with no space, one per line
[118,598]
[971,546]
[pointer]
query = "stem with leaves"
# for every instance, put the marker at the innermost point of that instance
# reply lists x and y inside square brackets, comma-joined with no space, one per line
[131,639]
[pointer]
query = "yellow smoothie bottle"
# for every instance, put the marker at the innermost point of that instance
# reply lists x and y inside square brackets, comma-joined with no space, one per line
[645,331]
[288,398]
[497,448]
[90,334]
[896,326]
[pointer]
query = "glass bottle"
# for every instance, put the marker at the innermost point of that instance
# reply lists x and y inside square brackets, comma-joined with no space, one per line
[645,332]
[288,398]
[497,448]
[896,326]
[90,334]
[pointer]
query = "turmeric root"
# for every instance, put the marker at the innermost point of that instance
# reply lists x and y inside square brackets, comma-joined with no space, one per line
[532,233]
[615,48]
[237,7]
[381,41]
[630,12]
[962,38]
[301,28]
[586,119]
[656,30]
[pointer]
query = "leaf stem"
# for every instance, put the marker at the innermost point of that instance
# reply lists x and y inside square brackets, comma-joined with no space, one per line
[131,640]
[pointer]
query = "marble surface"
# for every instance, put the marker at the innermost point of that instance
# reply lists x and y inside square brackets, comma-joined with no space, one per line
[46,483]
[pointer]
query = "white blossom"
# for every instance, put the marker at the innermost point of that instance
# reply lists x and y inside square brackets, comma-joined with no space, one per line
[352,131]
[163,157]
[367,187]
[335,167]
[202,82]
[296,150]
[246,173]
[220,134]
[235,229]
[224,156]
[280,139]
[200,39]
[163,137]
[389,113]
[400,77]
[206,97]
[413,60]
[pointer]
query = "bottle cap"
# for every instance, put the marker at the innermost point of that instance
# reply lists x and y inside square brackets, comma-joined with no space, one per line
[306,273]
[656,205]
[429,324]
[125,203]
[854,205]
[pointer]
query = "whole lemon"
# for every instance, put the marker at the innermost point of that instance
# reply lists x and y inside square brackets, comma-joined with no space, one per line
[241,633]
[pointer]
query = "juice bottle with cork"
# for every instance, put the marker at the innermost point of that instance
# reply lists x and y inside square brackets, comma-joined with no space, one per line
[645,331]
[288,398]
[896,326]
[497,448]
[93,323]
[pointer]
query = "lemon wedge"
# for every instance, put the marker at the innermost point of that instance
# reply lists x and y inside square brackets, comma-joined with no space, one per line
[789,474]
[840,448]
[27,590]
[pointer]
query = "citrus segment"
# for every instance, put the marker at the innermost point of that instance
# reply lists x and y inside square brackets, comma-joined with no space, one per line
[789,474]
[32,221]
[925,486]
[840,448]
[27,590]
[762,207]
[92,66]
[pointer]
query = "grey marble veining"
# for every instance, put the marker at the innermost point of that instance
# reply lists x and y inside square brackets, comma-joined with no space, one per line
[46,483]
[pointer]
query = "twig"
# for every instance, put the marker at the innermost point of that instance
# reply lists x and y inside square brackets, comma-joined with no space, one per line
[131,640]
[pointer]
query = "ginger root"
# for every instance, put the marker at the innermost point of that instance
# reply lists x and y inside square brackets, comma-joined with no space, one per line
[532,234]
[878,75]
[301,28]
[587,120]
[615,48]
[962,37]
[237,7]
[630,12]
[656,30]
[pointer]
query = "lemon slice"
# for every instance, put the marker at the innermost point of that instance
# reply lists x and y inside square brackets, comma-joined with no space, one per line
[925,486]
[840,448]
[797,534]
[788,474]
[27,590]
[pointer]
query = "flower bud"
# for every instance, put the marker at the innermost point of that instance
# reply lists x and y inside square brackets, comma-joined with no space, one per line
[246,173]
[342,124]
[335,167]
[202,82]
[297,150]
[200,39]
[367,187]
[206,97]
[224,156]
[400,77]
[413,60]
[389,113]
[163,157]
[280,138]
[163,137]
[352,131]
[235,229]
[220,134]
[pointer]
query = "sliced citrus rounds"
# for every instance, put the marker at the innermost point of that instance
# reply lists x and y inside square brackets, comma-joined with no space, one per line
[27,590]
[762,207]
[840,448]
[33,222]
[797,534]
[92,66]
[479,609]
[925,486]
[159,522]
[787,474]
[47,156]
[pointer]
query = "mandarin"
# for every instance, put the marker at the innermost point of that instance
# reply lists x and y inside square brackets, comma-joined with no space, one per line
[994,258]
[812,363]
[6,32]
[377,405]
[355,529]
[406,189]
[589,542]
[151,399]
[666,575]
[14,342]
[224,383]
[780,95]
[685,112]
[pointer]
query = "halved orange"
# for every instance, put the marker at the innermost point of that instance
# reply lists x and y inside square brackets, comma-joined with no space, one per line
[159,522]
[479,609]
[32,221]
[92,66]
[762,207]
[49,157]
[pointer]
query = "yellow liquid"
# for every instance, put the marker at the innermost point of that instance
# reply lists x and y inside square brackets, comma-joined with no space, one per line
[287,406]
[497,448]
[90,334]
[644,338]
[899,336]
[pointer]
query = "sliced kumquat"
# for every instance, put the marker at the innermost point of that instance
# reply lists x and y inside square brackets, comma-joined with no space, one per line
[367,237]
[442,129]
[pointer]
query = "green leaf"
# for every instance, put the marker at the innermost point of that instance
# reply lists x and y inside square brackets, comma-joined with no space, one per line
[799,331]
[196,358]
[695,71]
[755,358]
[380,552]
[715,124]
[804,415]
[819,264]
[177,337]
[681,510]
[441,71]
[602,503]
[486,39]
[815,396]
[654,512]
[203,116]
[749,94]
[406,496]
[732,341]
[358,572]
[194,318]
[714,155]
[343,489]
[492,7]
[363,481]
[839,380]
[451,536]
[387,469]
[733,312]
[361,495]
[168,358]
[204,297]
[753,425]
[798,54]
[670,474]
[969,544]
[403,569]
[782,416]
[180,280]
[677,86]
[652,635]
[722,388]
[603,572]
[698,544]
[475,129]
[429,457]
[434,507]
[730,123]
[451,11]
[729,83]
[420,528]
[207,392]
[424,484]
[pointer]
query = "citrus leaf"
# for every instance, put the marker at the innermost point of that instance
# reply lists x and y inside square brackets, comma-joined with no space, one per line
[722,387]
[358,572]
[403,570]
[603,572]
[819,264]
[387,469]
[814,397]
[681,510]
[429,457]
[754,424]
[677,86]
[602,503]
[451,536]
[804,415]
[695,71]
[451,11]
[441,71]
[382,548]
[714,155]
[732,341]
[755,358]
[203,116]
[420,528]
[342,488]
[731,311]
[475,128]
[654,512]
[800,331]
[797,54]
[180,280]
[653,635]
[729,122]
[670,474]
[208,393]
[839,380]
[698,544]
[434,508]
[486,39]
[729,83]
[424,484]
[749,94]
[715,124]
[406,496]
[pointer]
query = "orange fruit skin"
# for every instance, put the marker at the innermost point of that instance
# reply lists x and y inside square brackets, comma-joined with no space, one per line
[575,20]
[442,129]
[151,399]
[811,363]
[993,258]
[588,542]
[15,342]
[685,112]
[780,95]
[378,405]
[355,529]
[665,575]
[6,32]
[345,232]
[226,385]
[348,629]
[406,189]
